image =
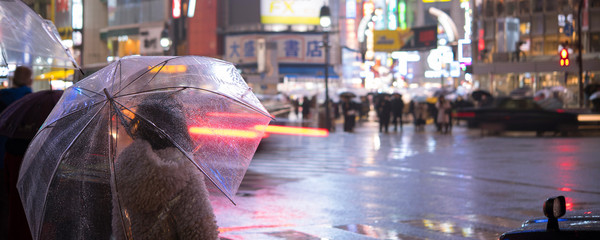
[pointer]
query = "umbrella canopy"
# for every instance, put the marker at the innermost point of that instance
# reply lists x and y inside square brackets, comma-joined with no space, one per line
[347,94]
[74,171]
[24,117]
[477,95]
[25,37]
[595,95]
[522,92]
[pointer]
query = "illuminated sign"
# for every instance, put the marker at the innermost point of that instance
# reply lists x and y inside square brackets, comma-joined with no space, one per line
[464,50]
[77,14]
[390,40]
[290,12]
[402,14]
[176,8]
[351,9]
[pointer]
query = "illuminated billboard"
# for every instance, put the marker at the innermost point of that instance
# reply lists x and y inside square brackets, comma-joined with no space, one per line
[290,11]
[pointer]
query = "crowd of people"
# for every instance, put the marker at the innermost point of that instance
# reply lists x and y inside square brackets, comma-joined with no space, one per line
[391,110]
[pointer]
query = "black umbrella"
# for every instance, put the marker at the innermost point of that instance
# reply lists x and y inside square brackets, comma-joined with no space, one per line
[347,94]
[477,95]
[24,117]
[521,92]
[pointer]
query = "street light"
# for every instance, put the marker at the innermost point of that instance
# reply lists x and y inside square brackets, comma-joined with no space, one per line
[325,21]
[165,41]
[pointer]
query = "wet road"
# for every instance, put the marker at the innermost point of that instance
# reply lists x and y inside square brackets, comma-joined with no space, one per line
[407,185]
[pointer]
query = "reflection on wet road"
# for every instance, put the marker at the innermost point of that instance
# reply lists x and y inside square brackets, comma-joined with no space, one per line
[367,185]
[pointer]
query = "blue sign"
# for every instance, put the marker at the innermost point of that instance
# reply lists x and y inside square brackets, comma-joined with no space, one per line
[568,30]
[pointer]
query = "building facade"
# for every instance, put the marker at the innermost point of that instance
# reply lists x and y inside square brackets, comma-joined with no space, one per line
[516,44]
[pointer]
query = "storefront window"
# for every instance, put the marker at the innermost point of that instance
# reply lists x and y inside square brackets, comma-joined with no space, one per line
[537,45]
[551,45]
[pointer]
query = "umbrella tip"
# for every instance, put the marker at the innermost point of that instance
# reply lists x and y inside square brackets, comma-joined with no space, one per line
[249,90]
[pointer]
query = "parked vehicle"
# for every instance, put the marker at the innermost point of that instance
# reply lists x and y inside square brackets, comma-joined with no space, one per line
[518,114]
[575,225]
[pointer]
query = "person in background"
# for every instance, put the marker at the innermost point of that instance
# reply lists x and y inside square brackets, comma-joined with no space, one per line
[384,108]
[443,114]
[21,86]
[349,110]
[397,111]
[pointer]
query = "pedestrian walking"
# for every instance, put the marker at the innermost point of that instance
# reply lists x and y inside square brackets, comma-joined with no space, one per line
[420,115]
[384,109]
[306,108]
[349,110]
[443,114]
[397,111]
[161,194]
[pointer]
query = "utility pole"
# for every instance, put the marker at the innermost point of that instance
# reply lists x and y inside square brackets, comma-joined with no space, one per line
[579,56]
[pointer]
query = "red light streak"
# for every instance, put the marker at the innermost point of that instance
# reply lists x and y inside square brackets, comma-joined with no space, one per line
[565,189]
[235,115]
[223,132]
[298,131]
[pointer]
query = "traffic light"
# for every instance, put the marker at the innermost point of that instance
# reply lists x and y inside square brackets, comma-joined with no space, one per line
[564,57]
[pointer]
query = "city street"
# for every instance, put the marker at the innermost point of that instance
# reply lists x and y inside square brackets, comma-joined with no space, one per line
[407,185]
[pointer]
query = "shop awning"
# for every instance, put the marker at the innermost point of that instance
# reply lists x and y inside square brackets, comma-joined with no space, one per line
[306,70]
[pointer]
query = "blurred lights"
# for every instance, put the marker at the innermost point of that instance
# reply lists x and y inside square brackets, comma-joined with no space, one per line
[223,132]
[298,131]
[588,117]
[168,69]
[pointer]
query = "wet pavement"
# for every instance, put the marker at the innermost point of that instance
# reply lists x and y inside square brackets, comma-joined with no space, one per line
[407,185]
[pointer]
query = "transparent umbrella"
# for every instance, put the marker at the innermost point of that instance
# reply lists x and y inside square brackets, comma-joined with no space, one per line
[26,38]
[73,173]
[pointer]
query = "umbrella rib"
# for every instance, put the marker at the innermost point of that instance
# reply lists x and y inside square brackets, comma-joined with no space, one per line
[180,149]
[140,76]
[57,165]
[202,89]
[67,115]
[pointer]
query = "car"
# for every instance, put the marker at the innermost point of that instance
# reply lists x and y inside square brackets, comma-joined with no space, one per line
[558,224]
[518,114]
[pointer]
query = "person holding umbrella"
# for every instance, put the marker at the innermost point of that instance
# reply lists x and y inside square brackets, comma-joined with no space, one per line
[163,196]
[384,108]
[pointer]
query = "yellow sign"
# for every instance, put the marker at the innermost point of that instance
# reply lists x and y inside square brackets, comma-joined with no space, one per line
[390,40]
[55,75]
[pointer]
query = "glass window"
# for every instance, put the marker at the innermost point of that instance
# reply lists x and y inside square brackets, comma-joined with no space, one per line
[537,45]
[551,45]
[550,5]
[551,26]
[525,7]
[122,12]
[511,7]
[489,29]
[537,27]
[500,7]
[538,5]
[489,8]
[595,42]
